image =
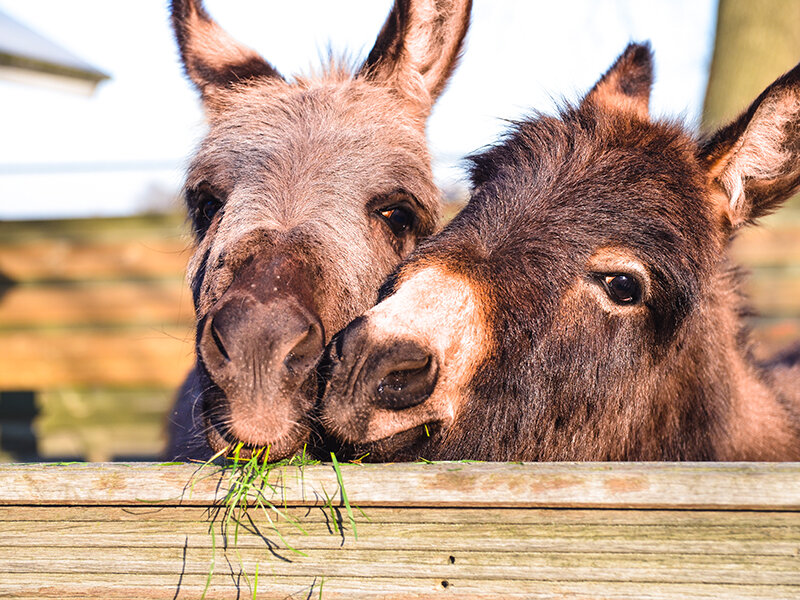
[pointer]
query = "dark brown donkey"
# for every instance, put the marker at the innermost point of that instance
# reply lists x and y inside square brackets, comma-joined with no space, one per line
[304,195]
[582,307]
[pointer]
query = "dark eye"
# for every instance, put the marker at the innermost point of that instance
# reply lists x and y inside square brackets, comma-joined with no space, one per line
[622,289]
[399,218]
[206,205]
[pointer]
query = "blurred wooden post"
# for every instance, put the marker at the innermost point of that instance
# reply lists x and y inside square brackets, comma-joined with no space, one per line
[756,41]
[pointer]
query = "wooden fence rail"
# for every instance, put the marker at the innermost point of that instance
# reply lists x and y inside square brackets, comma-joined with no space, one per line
[466,531]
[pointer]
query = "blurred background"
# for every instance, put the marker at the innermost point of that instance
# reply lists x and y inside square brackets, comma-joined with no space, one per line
[97,123]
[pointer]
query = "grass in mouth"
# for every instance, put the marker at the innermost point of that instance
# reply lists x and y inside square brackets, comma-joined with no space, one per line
[249,488]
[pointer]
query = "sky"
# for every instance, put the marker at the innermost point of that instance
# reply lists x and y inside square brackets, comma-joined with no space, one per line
[125,148]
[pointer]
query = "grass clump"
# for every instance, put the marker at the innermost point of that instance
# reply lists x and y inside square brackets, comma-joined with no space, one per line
[249,486]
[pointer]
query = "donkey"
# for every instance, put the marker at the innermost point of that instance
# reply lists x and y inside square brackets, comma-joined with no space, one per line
[581,306]
[303,196]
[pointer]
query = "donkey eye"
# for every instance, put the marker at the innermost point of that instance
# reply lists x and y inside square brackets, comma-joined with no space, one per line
[399,218]
[206,205]
[622,289]
[210,207]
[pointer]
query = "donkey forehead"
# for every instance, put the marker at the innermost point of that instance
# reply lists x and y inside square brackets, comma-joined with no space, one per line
[287,216]
[584,185]
[324,127]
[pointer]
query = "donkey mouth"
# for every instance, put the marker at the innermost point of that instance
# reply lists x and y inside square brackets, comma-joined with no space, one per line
[407,445]
[222,440]
[278,428]
[218,437]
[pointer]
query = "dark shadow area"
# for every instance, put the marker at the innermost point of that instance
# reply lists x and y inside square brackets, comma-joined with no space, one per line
[17,436]
[183,569]
[6,283]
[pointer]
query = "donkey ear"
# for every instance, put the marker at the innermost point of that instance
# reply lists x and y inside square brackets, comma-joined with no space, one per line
[419,47]
[211,58]
[756,158]
[626,85]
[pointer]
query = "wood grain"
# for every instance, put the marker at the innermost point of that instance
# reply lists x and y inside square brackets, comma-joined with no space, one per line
[232,584]
[83,531]
[753,486]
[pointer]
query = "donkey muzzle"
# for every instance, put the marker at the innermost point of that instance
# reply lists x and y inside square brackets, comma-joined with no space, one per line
[378,389]
[260,344]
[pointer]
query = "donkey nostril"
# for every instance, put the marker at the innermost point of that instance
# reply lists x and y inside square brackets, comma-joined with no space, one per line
[222,335]
[409,382]
[408,372]
[348,336]
[306,352]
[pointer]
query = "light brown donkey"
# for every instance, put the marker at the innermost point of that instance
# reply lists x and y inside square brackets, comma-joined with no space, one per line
[582,306]
[304,194]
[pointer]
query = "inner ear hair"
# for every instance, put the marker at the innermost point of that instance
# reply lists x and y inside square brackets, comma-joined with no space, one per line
[418,48]
[211,58]
[755,159]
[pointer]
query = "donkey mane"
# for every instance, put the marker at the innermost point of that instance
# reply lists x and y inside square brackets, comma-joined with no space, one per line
[542,139]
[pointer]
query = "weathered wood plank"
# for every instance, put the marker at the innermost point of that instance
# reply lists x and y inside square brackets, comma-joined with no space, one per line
[452,530]
[94,424]
[772,253]
[691,520]
[775,245]
[191,586]
[398,563]
[575,537]
[761,486]
[774,292]
[78,531]
[97,230]
[143,438]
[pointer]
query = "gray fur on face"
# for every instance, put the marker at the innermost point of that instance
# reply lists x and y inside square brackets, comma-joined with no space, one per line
[307,166]
[294,197]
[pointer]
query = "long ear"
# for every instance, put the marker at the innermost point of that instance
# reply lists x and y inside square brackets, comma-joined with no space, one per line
[756,158]
[418,48]
[625,87]
[211,58]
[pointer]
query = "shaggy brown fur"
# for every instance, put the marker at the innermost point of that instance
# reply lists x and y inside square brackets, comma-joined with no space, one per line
[593,251]
[303,196]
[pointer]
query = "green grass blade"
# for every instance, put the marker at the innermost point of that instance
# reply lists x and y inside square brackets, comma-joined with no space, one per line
[213,563]
[248,487]
[344,496]
[329,506]
[255,583]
